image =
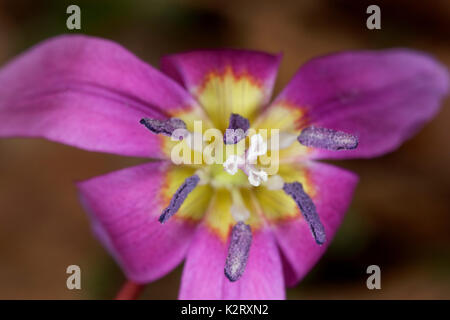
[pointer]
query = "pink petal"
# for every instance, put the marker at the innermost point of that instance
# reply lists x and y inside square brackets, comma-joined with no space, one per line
[204,278]
[382,97]
[334,190]
[89,93]
[191,68]
[124,207]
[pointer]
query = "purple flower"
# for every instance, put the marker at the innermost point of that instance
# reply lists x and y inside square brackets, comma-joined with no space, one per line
[242,237]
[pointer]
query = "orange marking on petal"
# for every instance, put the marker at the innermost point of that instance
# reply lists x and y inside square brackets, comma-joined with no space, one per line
[228,71]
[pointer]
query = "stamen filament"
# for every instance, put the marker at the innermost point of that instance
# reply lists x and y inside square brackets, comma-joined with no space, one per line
[238,209]
[285,140]
[275,182]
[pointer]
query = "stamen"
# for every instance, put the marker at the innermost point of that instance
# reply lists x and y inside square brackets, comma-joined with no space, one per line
[204,177]
[275,182]
[165,127]
[308,209]
[175,203]
[285,140]
[237,129]
[238,251]
[327,139]
[238,209]
[239,213]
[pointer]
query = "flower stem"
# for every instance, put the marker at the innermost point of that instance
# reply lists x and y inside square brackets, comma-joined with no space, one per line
[129,291]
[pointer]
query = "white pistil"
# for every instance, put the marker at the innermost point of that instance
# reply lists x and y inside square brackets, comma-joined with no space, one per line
[258,147]
[232,164]
[238,209]
[275,182]
[204,177]
[255,176]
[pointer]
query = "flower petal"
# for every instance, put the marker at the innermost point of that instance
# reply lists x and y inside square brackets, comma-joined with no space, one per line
[225,81]
[332,193]
[382,97]
[89,93]
[203,274]
[125,206]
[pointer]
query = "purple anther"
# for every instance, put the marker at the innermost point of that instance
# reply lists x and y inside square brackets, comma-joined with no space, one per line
[308,209]
[178,198]
[237,129]
[238,251]
[329,139]
[165,127]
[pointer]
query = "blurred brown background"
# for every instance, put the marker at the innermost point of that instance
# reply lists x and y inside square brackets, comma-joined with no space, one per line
[400,216]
